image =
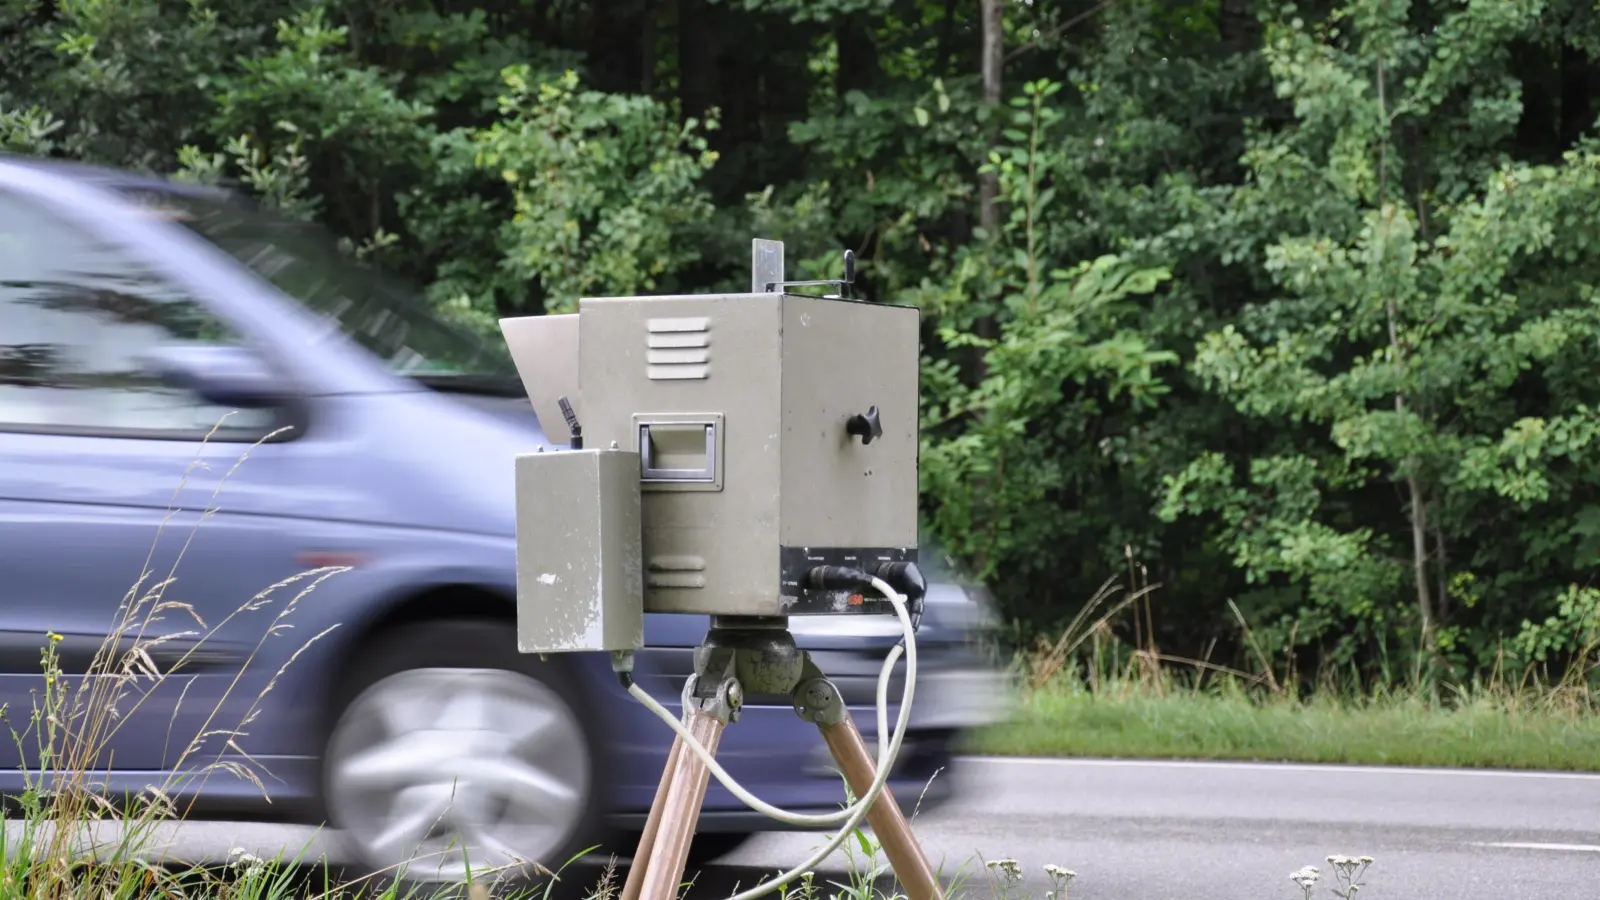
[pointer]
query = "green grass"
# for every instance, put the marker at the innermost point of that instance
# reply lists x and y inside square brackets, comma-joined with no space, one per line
[1089,693]
[1131,721]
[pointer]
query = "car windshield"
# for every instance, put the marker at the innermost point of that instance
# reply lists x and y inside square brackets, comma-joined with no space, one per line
[379,313]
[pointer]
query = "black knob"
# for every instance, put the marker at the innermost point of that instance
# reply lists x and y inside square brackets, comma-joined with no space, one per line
[866,426]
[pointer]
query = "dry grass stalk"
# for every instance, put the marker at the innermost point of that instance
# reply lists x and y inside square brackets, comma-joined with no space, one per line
[75,720]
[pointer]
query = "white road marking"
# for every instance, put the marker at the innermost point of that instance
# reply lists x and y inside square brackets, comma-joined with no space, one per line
[1574,848]
[1273,767]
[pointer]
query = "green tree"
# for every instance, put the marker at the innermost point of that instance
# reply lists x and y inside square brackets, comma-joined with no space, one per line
[1285,304]
[1413,342]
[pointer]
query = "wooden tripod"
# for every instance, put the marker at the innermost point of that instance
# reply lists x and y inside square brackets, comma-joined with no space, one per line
[758,655]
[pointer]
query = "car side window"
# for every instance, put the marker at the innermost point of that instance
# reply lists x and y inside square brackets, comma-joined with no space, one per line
[77,316]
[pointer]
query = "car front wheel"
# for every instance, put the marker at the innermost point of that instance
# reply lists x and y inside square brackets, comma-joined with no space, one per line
[454,756]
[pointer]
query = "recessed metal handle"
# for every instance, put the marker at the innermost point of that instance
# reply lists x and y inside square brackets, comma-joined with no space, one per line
[647,464]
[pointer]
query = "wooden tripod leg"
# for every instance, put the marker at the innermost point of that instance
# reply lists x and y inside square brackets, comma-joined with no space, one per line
[680,813]
[888,823]
[652,823]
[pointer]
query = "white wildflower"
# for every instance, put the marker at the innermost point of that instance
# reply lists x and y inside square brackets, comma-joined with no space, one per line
[1060,877]
[240,858]
[1349,864]
[1008,867]
[1306,877]
[1348,870]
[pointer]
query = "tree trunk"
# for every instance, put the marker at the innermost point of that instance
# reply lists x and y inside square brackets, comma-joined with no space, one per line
[647,53]
[1419,554]
[858,55]
[989,182]
[1238,25]
[1441,568]
[1419,503]
[700,54]
[947,36]
[993,59]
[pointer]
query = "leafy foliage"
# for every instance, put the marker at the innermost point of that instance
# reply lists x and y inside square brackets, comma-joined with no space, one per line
[606,196]
[1287,304]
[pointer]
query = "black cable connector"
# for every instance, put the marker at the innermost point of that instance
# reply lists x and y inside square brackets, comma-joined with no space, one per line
[837,578]
[572,423]
[904,577]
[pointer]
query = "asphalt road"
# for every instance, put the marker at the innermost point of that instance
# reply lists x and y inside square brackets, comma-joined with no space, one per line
[1205,831]
[1190,831]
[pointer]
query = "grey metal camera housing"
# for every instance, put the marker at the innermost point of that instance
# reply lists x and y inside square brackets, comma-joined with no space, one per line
[762,435]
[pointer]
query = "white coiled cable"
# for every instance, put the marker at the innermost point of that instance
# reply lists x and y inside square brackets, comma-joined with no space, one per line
[851,815]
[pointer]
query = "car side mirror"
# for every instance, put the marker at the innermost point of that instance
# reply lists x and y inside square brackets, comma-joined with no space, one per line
[220,374]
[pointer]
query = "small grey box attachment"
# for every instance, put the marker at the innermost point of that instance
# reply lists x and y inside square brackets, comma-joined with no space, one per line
[580,576]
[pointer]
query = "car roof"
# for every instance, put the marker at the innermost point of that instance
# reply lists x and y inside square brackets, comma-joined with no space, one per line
[121,180]
[355,372]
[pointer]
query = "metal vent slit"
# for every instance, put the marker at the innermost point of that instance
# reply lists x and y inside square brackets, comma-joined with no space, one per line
[678,349]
